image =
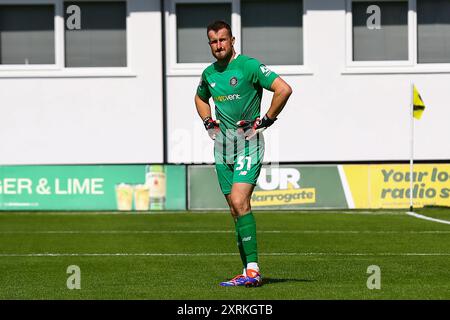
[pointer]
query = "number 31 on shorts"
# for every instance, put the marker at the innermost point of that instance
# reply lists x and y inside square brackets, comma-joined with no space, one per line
[241,163]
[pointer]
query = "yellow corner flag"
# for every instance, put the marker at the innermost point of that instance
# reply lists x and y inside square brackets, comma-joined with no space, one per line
[418,105]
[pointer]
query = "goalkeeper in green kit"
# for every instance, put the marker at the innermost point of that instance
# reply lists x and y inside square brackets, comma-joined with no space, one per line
[235,83]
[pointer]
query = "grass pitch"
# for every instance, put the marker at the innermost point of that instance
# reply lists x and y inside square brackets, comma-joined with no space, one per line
[303,255]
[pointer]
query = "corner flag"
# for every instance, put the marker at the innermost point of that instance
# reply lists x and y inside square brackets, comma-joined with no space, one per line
[418,105]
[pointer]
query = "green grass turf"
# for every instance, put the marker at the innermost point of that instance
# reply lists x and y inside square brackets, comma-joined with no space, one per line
[303,255]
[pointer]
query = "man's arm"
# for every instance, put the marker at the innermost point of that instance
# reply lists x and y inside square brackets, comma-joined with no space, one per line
[203,108]
[281,93]
[204,111]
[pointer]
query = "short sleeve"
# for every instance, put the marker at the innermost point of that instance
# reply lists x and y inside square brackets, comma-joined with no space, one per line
[259,73]
[202,89]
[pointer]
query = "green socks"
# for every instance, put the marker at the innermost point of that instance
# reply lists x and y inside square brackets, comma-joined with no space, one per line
[246,232]
[241,248]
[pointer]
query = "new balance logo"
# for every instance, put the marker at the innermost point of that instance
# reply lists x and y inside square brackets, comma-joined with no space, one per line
[266,71]
[243,173]
[247,238]
[213,85]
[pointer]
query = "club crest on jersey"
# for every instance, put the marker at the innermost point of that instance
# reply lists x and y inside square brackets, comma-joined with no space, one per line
[233,82]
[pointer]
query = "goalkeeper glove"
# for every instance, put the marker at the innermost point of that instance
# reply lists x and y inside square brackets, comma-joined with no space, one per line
[212,126]
[250,128]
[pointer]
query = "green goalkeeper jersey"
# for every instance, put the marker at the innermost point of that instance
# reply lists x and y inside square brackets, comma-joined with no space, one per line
[236,89]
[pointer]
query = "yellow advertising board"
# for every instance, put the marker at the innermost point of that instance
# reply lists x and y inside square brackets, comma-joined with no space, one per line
[388,186]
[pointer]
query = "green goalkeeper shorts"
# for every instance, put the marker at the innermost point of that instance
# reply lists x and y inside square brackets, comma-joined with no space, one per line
[240,162]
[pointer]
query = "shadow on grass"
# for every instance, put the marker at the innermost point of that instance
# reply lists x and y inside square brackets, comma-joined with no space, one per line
[268,281]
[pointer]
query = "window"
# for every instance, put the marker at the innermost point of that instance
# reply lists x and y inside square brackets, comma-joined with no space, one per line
[27,34]
[433,31]
[192,19]
[272,31]
[397,36]
[100,40]
[387,40]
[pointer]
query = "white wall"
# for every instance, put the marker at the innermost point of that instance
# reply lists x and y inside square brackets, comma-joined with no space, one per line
[65,116]
[337,112]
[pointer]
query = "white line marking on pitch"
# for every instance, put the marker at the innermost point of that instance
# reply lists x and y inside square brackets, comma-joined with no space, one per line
[151,254]
[372,213]
[413,214]
[202,212]
[96,232]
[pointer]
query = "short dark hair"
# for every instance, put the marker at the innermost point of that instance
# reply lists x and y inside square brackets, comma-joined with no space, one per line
[218,25]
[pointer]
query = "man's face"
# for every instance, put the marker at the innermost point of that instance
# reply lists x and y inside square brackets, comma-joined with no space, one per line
[221,44]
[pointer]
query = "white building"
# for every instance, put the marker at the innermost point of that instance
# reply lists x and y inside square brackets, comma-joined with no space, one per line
[86,82]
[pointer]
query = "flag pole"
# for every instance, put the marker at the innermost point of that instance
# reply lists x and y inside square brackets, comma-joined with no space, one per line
[411,161]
